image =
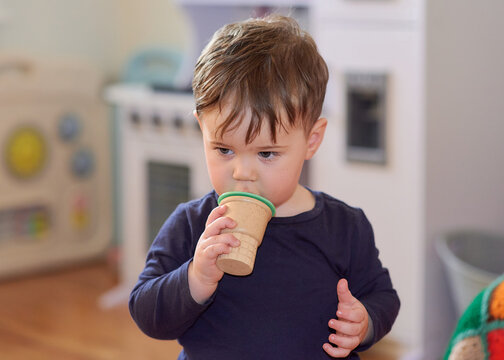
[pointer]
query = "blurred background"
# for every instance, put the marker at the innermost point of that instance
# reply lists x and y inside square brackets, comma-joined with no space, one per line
[98,145]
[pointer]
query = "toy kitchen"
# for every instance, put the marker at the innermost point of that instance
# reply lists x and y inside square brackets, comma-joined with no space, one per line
[55,203]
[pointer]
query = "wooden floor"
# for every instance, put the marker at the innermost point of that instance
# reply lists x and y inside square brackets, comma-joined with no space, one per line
[56,316]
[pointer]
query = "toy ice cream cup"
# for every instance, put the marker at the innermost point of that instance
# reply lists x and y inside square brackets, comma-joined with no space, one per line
[251,213]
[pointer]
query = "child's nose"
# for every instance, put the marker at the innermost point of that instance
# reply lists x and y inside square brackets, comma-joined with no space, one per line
[243,170]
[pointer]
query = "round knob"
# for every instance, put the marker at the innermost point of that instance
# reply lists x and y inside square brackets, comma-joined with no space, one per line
[69,127]
[82,163]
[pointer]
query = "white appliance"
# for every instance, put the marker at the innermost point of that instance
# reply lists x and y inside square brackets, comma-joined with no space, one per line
[161,164]
[372,149]
[55,203]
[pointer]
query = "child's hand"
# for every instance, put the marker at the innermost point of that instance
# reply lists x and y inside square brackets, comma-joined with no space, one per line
[351,326]
[204,275]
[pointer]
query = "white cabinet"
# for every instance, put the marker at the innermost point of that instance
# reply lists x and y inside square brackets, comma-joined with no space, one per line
[370,11]
[390,189]
[442,139]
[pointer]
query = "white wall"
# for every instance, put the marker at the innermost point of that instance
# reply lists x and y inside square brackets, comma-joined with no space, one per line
[465,144]
[105,33]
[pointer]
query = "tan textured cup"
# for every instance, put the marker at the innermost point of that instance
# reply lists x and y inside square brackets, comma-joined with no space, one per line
[251,213]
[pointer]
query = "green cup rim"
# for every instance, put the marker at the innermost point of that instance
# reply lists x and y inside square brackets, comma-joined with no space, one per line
[250,195]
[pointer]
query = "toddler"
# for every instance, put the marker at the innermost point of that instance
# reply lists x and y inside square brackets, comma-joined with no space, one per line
[318,289]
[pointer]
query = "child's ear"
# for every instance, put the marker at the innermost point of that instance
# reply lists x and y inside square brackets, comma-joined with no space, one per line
[315,137]
[195,113]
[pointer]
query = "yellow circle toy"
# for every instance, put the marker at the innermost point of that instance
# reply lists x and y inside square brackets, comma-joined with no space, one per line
[26,152]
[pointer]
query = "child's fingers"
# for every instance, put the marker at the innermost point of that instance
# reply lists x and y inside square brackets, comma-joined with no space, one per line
[214,250]
[345,327]
[344,342]
[335,352]
[345,297]
[353,315]
[216,226]
[222,240]
[215,214]
[349,326]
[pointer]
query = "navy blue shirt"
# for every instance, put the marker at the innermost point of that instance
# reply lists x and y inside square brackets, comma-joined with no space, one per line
[281,310]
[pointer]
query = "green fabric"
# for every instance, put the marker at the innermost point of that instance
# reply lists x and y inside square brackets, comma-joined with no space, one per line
[474,320]
[470,320]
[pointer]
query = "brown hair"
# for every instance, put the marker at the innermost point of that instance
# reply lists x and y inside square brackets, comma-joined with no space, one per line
[268,66]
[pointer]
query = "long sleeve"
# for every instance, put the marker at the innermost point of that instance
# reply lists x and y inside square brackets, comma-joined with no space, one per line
[371,282]
[161,303]
[163,307]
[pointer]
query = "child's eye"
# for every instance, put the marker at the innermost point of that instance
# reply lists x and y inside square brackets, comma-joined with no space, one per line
[267,154]
[224,151]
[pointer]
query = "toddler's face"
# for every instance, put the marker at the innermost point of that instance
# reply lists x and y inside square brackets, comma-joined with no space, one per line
[262,167]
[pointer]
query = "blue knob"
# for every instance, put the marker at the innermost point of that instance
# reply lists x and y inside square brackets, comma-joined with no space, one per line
[82,163]
[69,127]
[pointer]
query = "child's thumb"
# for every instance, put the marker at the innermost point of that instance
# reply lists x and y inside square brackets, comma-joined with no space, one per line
[344,294]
